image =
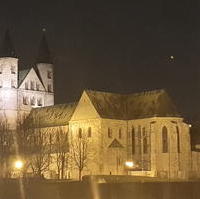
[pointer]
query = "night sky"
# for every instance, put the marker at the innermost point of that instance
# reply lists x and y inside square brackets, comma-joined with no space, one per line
[118,46]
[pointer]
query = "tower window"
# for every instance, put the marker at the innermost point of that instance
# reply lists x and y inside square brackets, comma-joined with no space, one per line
[32,85]
[26,85]
[164,140]
[109,132]
[49,88]
[39,102]
[89,132]
[12,69]
[49,75]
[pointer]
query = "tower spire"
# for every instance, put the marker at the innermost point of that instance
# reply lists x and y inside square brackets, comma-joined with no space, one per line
[7,49]
[44,55]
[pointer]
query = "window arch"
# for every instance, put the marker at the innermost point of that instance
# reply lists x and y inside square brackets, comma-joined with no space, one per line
[120,133]
[80,132]
[89,132]
[139,139]
[133,140]
[178,139]
[164,140]
[145,145]
[109,132]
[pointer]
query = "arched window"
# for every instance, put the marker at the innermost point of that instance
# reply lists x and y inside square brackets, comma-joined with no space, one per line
[139,140]
[89,132]
[33,101]
[178,139]
[120,133]
[133,140]
[144,138]
[80,133]
[145,146]
[164,140]
[109,132]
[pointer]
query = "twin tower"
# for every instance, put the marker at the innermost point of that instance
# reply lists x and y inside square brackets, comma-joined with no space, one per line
[22,90]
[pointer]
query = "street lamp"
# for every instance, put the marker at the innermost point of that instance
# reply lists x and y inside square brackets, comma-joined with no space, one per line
[129,164]
[18,164]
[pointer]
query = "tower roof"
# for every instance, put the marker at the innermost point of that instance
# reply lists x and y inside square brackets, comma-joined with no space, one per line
[7,49]
[44,55]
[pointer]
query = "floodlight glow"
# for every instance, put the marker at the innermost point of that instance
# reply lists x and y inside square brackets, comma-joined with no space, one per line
[129,164]
[18,164]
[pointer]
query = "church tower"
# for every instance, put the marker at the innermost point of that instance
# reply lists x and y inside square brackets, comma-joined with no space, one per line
[44,68]
[8,80]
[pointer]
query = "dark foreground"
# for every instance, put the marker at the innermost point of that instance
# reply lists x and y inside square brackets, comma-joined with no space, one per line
[37,189]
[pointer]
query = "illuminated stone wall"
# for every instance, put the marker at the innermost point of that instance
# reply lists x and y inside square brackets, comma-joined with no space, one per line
[35,90]
[8,90]
[46,74]
[172,164]
[113,142]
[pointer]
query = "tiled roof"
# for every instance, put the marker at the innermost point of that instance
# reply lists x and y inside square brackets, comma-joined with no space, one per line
[133,106]
[57,115]
[22,75]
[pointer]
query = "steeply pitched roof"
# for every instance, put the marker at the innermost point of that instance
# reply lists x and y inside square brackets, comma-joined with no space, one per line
[57,115]
[44,55]
[22,75]
[7,49]
[133,106]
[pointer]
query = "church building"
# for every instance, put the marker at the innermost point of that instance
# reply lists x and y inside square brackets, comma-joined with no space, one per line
[124,134]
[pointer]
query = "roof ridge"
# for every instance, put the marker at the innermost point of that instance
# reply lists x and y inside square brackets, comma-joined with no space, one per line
[156,91]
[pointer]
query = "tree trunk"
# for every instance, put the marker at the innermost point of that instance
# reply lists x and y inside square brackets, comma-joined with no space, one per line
[80,174]
[62,168]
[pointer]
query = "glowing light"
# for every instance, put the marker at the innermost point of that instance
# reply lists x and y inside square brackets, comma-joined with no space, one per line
[43,29]
[19,164]
[129,164]
[171,57]
[190,125]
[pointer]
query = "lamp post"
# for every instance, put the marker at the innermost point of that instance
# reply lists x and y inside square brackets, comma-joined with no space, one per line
[129,165]
[18,165]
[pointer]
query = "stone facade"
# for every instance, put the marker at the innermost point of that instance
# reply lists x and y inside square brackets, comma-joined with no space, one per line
[154,137]
[21,90]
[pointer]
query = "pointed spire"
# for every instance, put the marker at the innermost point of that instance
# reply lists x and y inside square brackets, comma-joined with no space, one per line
[7,49]
[44,55]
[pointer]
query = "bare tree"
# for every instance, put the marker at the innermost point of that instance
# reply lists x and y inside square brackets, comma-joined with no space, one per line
[40,152]
[61,151]
[6,147]
[79,153]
